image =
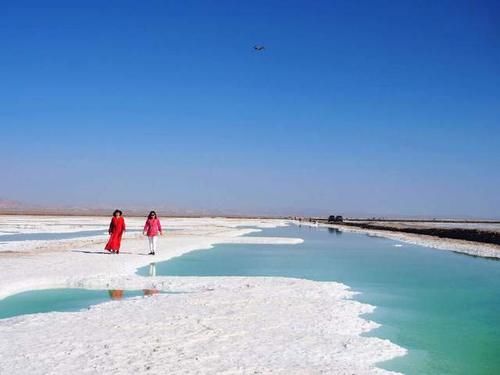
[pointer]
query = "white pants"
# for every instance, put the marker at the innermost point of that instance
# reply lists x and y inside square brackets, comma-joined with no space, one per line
[153,241]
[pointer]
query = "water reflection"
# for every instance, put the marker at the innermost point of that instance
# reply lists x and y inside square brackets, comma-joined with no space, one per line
[115,294]
[150,292]
[336,231]
[118,294]
[152,269]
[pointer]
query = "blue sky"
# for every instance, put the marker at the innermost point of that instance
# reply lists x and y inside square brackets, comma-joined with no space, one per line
[355,107]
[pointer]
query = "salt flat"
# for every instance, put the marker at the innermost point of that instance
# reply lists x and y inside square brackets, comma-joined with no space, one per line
[461,246]
[228,325]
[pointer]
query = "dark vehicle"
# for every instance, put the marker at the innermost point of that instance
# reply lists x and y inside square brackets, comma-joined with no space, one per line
[335,219]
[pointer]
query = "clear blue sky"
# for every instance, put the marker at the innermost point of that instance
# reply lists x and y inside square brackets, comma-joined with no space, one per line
[355,107]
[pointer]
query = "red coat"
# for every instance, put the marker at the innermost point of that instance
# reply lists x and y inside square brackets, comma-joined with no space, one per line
[116,229]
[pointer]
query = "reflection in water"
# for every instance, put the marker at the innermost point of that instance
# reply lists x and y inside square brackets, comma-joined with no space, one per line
[152,269]
[334,230]
[115,294]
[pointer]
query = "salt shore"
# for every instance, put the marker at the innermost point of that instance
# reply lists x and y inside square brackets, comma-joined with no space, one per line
[216,325]
[459,246]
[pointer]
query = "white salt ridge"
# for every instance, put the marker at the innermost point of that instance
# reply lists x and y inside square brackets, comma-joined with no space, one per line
[460,246]
[263,240]
[227,325]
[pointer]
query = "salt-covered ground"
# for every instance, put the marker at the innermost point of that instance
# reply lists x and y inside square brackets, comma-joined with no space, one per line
[460,246]
[217,325]
[487,226]
[14,224]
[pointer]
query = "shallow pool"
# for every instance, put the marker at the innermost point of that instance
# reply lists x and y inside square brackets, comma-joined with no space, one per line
[48,236]
[442,306]
[43,236]
[40,301]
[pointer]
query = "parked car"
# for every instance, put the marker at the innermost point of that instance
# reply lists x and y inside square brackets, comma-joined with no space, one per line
[335,219]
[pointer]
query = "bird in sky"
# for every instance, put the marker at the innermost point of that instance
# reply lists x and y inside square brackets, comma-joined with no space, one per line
[259,47]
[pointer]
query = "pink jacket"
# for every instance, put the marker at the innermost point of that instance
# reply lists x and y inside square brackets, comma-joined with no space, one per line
[152,227]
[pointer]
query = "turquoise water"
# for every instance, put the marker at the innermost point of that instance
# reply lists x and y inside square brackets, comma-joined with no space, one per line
[53,236]
[47,300]
[50,236]
[442,306]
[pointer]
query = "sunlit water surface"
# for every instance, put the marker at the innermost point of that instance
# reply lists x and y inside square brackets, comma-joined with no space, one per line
[442,306]
[47,300]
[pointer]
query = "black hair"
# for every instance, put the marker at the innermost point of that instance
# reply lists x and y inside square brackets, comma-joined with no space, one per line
[117,212]
[151,214]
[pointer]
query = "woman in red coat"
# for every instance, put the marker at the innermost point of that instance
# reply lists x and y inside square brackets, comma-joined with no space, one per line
[116,229]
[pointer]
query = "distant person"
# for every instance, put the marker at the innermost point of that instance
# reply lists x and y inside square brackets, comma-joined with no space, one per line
[152,229]
[116,230]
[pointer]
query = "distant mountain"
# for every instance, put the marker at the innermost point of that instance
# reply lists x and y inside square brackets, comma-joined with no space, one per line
[15,207]
[6,204]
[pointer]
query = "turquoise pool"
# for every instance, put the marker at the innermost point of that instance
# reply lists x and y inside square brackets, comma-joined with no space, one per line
[40,301]
[442,306]
[44,236]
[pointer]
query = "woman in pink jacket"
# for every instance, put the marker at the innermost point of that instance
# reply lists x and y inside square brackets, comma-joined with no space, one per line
[152,229]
